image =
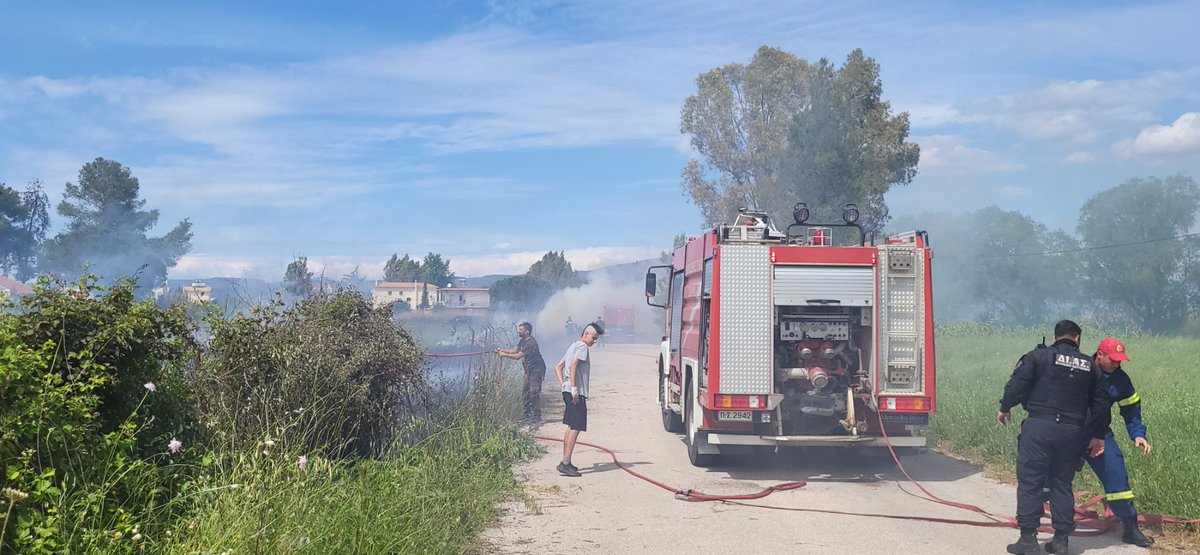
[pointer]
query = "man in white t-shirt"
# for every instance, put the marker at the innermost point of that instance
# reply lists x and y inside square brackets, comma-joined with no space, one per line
[573,372]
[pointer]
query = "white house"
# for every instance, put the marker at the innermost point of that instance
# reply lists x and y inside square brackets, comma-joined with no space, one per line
[464,297]
[197,293]
[385,292]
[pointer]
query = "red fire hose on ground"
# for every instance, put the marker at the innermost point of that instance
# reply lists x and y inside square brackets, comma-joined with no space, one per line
[1092,517]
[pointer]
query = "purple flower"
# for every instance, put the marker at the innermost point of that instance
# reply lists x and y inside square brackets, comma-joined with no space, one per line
[149,387]
[175,445]
[303,462]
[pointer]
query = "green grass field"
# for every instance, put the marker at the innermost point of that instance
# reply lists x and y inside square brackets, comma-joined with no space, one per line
[974,362]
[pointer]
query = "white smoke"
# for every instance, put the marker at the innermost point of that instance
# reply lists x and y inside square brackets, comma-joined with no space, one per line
[585,304]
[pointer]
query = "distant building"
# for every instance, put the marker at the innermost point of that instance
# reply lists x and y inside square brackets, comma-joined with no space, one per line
[464,297]
[385,292]
[197,293]
[13,288]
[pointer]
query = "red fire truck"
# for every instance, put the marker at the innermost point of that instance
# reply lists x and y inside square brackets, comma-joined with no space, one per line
[795,338]
[618,323]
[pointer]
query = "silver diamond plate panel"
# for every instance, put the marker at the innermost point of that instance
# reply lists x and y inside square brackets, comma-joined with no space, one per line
[745,319]
[902,325]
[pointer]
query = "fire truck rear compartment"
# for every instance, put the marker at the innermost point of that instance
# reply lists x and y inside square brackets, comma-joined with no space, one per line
[819,358]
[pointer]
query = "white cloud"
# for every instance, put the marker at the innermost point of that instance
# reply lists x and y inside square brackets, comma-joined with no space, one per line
[519,262]
[202,265]
[1073,113]
[930,115]
[684,147]
[1182,135]
[1011,191]
[1079,157]
[950,153]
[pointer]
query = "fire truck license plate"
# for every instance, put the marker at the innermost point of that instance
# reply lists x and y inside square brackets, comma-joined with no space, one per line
[910,418]
[735,416]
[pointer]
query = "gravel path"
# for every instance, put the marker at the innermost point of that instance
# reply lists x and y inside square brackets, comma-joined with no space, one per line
[609,511]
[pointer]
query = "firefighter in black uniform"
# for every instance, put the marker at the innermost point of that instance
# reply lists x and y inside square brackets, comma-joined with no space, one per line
[1057,386]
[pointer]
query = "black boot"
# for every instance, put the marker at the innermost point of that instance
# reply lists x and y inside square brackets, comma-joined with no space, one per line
[1058,545]
[1027,545]
[1133,534]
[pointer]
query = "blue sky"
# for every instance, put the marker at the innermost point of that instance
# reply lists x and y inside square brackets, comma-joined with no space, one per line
[491,132]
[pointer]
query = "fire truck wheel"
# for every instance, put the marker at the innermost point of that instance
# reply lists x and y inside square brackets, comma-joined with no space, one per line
[671,421]
[694,435]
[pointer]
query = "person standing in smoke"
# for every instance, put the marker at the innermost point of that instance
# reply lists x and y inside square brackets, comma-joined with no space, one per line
[574,373]
[530,354]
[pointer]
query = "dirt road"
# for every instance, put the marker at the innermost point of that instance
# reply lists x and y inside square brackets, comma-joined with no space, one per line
[609,511]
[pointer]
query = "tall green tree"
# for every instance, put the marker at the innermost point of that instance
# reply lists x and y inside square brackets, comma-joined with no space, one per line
[435,270]
[1147,280]
[107,230]
[990,265]
[520,293]
[297,279]
[554,270]
[738,121]
[1012,276]
[401,269]
[24,220]
[781,130]
[845,146]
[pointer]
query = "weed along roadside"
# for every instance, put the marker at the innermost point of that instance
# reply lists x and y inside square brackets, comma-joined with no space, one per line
[295,429]
[975,360]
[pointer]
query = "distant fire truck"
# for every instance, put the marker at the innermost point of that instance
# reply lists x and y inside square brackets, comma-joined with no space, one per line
[618,323]
[793,339]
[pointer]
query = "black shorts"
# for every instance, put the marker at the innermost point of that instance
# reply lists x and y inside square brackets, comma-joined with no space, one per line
[575,416]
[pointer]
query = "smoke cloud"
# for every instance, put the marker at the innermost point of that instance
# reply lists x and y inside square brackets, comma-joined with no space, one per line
[585,304]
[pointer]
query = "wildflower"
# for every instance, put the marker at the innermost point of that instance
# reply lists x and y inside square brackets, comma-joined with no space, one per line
[269,443]
[150,387]
[303,462]
[137,537]
[175,445]
[15,495]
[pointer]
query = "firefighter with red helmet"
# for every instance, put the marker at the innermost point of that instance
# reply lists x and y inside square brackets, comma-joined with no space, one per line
[1110,465]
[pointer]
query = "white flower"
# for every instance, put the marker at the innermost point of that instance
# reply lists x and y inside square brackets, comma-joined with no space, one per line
[175,445]
[137,537]
[303,462]
[150,387]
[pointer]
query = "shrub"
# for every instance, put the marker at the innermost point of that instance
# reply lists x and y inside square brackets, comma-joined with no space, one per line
[82,431]
[431,494]
[331,373]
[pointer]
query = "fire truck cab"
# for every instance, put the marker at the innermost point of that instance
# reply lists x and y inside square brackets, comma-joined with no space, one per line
[795,338]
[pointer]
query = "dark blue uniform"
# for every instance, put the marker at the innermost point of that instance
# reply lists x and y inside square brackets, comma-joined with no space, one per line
[1058,386]
[1110,466]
